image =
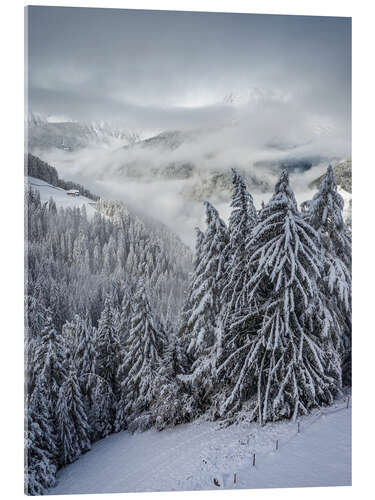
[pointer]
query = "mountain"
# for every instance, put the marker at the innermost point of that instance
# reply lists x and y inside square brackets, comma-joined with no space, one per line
[44,134]
[200,158]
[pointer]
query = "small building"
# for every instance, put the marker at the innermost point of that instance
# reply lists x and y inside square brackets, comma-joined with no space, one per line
[73,192]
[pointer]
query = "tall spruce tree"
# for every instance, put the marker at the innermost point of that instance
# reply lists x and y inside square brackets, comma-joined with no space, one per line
[185,331]
[242,220]
[142,355]
[287,361]
[235,292]
[84,352]
[325,215]
[41,451]
[123,319]
[97,392]
[50,358]
[73,426]
[108,346]
[202,318]
[172,404]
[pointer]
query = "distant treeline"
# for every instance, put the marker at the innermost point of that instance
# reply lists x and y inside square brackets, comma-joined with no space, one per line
[35,167]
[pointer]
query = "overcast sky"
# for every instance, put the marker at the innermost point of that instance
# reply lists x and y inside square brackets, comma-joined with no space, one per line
[156,70]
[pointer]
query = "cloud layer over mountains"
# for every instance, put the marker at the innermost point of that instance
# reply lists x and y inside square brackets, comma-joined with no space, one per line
[156,70]
[244,91]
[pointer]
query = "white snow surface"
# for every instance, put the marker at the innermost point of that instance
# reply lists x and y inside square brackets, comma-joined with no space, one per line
[190,456]
[62,199]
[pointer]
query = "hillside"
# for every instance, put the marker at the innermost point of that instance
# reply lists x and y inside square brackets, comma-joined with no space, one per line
[114,241]
[35,167]
[60,196]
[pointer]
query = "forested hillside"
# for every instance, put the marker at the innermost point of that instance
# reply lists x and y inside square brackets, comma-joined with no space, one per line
[35,167]
[120,339]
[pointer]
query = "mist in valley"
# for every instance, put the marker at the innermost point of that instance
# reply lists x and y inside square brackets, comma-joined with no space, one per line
[223,90]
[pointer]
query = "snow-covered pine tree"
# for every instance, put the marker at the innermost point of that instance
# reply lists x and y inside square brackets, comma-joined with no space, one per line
[172,404]
[325,215]
[234,297]
[108,346]
[83,351]
[287,361]
[99,405]
[205,306]
[108,357]
[41,451]
[96,392]
[242,220]
[73,426]
[185,332]
[50,358]
[142,355]
[34,321]
[123,319]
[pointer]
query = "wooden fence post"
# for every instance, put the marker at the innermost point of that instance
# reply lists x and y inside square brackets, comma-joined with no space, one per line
[253,459]
[347,401]
[298,427]
[234,478]
[277,444]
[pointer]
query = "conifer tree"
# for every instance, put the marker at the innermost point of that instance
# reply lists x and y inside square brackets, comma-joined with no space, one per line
[73,426]
[99,405]
[172,404]
[34,321]
[234,296]
[84,353]
[242,220]
[50,358]
[142,354]
[123,320]
[201,323]
[325,215]
[185,331]
[108,346]
[40,441]
[287,361]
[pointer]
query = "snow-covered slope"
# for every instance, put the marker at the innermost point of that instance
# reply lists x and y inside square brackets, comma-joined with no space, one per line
[62,199]
[189,457]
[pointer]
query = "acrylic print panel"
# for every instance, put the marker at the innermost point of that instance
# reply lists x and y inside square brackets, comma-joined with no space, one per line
[188,214]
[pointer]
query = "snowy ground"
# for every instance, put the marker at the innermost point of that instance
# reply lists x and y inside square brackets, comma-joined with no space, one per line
[190,456]
[62,199]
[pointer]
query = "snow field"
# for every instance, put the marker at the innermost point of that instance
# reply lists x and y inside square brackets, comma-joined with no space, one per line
[190,456]
[62,199]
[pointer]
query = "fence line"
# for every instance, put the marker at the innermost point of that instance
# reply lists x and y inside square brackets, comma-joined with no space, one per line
[321,412]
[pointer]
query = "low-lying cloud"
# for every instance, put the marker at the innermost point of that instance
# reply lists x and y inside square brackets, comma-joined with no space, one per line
[246,90]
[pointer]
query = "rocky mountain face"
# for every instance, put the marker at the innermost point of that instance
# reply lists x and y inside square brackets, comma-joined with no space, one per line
[70,136]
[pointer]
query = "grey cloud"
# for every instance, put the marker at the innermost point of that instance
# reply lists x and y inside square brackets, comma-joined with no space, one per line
[155,70]
[95,62]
